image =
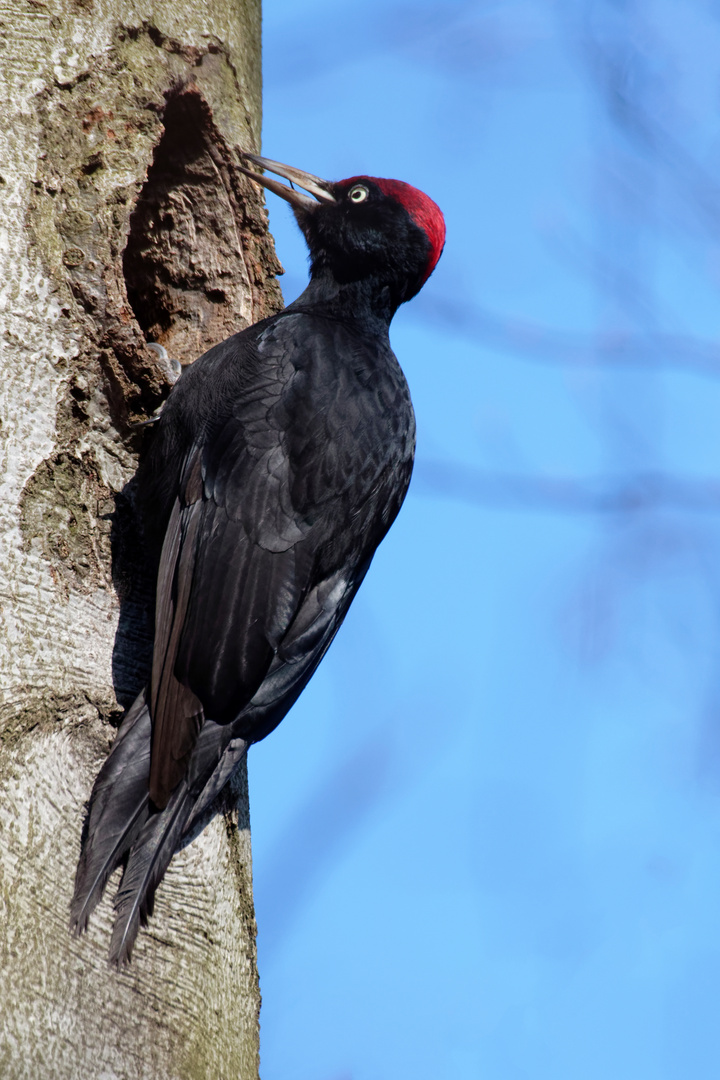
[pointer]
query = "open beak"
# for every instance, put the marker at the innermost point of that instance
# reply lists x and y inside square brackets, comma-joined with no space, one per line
[321,189]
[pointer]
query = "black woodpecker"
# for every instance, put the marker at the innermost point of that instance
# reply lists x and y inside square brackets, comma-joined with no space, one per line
[278,464]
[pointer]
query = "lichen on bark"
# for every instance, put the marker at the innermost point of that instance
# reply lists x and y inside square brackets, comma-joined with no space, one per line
[64,514]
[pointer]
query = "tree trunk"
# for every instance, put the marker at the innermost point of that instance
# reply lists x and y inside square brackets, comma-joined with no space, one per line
[123,220]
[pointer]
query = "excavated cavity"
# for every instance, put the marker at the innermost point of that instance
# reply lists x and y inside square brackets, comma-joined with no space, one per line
[146,225]
[185,272]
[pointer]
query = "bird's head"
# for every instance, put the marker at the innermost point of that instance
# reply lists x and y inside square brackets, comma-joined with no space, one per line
[384,232]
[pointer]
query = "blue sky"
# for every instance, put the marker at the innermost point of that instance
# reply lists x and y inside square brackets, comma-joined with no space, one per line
[487,839]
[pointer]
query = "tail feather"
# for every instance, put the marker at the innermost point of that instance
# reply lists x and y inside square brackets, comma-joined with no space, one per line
[119,807]
[94,872]
[149,859]
[124,824]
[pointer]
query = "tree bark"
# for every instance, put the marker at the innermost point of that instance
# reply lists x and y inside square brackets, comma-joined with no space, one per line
[123,220]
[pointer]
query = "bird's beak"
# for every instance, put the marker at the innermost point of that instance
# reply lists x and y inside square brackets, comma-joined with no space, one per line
[321,189]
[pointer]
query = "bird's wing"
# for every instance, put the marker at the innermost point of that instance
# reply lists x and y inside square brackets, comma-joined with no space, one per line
[266,543]
[226,594]
[220,747]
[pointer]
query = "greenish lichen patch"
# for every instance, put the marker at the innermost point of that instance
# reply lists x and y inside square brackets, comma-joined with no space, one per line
[46,711]
[64,515]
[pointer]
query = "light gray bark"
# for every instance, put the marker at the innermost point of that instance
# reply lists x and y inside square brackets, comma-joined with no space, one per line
[110,109]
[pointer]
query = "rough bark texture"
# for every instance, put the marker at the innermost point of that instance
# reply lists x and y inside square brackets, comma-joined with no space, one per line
[123,220]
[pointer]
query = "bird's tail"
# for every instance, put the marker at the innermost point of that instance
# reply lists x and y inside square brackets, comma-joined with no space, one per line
[119,807]
[149,858]
[122,822]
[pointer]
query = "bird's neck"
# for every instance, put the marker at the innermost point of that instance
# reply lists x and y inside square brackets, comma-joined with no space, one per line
[368,301]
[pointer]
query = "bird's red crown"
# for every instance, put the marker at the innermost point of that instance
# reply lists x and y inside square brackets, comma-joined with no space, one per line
[426,214]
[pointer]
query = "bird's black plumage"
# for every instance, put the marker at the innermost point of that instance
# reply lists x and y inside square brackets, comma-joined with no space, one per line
[280,461]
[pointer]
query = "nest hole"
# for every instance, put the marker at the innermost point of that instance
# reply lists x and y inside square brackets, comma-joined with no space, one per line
[183,263]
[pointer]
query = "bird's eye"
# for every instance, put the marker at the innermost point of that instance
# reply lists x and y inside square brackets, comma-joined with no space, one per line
[357,194]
